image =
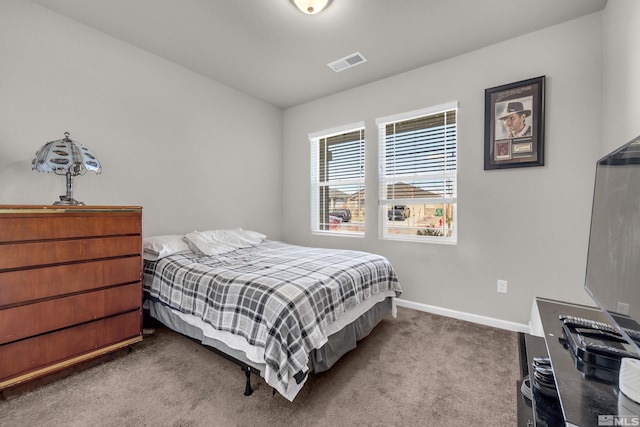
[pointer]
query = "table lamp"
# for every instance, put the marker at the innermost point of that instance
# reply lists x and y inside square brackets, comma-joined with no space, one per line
[66,157]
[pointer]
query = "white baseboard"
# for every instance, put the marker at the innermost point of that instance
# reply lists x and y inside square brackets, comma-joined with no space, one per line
[482,320]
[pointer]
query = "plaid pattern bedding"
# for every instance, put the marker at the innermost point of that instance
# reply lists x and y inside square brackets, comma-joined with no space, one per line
[277,296]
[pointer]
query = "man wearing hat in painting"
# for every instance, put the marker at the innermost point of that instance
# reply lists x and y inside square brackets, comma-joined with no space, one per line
[514,120]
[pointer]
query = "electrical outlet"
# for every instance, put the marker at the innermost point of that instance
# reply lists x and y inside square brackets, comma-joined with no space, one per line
[502,286]
[622,308]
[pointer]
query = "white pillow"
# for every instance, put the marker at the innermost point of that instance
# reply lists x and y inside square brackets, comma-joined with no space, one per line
[157,247]
[250,236]
[216,242]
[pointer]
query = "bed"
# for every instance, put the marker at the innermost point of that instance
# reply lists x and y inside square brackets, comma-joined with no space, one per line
[278,310]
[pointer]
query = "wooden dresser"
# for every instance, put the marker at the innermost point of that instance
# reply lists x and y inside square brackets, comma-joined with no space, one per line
[70,287]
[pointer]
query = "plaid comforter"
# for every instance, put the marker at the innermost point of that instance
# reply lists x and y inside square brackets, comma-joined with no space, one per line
[277,296]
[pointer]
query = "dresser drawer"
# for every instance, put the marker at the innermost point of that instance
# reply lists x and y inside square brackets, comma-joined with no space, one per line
[45,350]
[16,255]
[19,227]
[19,286]
[27,320]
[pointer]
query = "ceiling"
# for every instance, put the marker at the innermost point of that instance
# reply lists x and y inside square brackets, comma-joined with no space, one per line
[270,50]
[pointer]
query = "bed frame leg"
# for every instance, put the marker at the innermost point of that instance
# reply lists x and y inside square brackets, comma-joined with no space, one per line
[248,390]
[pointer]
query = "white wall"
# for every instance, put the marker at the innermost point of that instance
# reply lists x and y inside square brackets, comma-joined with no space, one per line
[621,73]
[528,226]
[170,140]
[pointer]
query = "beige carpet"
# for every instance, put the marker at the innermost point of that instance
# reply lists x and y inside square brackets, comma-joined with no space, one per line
[417,369]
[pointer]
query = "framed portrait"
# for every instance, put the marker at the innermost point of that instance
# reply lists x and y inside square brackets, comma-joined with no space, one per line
[514,125]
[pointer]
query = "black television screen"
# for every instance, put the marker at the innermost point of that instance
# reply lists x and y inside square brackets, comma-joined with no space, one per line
[613,261]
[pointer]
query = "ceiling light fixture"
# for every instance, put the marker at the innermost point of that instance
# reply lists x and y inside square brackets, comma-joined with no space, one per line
[311,7]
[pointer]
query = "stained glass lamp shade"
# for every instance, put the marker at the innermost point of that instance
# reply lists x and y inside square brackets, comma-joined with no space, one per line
[66,157]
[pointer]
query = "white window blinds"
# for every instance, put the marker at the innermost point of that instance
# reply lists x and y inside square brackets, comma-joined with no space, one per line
[418,174]
[337,180]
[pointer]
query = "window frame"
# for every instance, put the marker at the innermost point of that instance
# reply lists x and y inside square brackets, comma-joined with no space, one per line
[314,139]
[384,202]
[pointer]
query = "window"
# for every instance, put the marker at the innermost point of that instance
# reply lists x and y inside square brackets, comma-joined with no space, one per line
[337,180]
[418,164]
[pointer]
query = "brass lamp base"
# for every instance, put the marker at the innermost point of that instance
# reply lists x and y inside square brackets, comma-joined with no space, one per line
[66,201]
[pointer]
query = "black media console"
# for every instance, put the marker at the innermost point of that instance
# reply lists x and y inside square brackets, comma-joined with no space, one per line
[585,397]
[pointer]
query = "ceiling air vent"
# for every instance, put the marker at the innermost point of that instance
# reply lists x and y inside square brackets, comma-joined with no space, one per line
[347,62]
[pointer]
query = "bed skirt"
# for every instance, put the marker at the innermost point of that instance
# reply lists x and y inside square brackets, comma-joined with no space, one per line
[338,343]
[343,341]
